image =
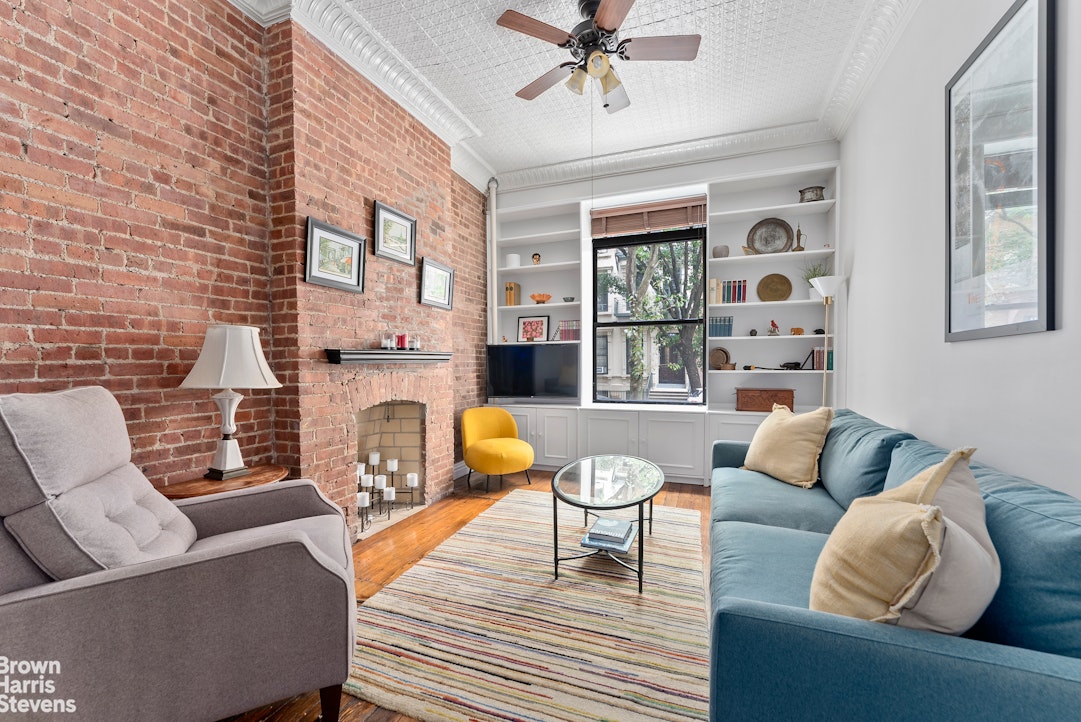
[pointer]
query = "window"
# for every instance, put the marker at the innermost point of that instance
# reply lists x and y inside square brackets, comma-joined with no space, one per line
[653,338]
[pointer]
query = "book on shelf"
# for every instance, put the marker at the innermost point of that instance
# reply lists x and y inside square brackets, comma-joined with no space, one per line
[820,356]
[569,330]
[720,325]
[610,530]
[513,293]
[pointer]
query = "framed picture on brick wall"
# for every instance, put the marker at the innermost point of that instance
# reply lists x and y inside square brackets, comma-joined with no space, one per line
[436,284]
[395,235]
[335,257]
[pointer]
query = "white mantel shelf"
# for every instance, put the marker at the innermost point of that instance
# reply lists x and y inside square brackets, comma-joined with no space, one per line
[385,356]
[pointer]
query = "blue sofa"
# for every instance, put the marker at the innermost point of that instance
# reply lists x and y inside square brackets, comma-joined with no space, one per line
[773,658]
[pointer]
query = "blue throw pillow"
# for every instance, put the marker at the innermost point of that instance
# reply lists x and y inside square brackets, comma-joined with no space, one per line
[856,456]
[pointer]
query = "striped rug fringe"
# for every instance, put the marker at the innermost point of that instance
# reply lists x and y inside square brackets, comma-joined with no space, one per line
[480,630]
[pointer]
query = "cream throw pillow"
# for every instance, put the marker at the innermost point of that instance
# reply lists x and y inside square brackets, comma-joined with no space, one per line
[786,445]
[917,556]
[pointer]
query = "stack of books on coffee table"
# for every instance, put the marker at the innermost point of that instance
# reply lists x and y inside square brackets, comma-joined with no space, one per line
[610,534]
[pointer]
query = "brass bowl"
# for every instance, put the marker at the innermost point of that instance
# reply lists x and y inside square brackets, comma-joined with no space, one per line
[540,297]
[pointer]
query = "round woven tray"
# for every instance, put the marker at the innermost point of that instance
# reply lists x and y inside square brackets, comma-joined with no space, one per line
[719,359]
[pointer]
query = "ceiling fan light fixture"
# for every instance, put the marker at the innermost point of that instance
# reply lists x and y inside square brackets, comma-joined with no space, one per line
[597,64]
[609,82]
[577,82]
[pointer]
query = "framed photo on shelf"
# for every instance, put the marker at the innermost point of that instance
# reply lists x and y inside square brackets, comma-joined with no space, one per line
[436,284]
[1000,129]
[335,257]
[395,235]
[532,328]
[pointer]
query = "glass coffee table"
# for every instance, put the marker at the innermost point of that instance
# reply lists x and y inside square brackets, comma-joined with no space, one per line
[597,484]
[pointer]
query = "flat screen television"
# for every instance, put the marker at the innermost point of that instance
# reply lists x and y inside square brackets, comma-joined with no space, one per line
[530,373]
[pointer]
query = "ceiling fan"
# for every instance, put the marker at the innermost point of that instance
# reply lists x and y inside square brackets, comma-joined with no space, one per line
[593,43]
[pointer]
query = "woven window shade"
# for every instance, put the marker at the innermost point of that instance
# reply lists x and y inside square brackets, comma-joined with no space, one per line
[645,217]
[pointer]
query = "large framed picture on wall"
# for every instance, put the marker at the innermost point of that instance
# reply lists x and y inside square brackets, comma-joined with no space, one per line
[1000,175]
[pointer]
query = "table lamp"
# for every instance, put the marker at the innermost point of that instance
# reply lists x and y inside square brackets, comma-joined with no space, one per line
[231,357]
[828,286]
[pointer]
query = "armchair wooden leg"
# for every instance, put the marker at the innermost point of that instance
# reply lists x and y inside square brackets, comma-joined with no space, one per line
[527,479]
[468,477]
[330,701]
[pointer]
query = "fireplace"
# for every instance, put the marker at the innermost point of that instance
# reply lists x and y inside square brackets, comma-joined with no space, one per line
[394,430]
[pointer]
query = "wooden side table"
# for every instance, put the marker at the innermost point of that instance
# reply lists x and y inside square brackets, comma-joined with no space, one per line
[265,474]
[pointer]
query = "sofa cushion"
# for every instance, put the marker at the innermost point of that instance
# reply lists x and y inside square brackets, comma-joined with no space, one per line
[918,555]
[856,456]
[751,496]
[71,496]
[762,563]
[786,445]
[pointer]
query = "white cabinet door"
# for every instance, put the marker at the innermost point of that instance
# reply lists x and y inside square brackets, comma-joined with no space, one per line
[525,418]
[673,441]
[555,439]
[609,432]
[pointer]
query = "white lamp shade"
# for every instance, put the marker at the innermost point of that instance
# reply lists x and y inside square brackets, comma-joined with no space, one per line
[828,286]
[231,359]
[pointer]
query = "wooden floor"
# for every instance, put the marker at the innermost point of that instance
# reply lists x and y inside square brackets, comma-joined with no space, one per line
[380,559]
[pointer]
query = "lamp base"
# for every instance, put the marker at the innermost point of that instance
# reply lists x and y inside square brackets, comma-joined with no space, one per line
[227,464]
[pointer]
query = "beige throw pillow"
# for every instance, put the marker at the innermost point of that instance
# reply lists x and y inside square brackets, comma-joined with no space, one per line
[917,556]
[786,445]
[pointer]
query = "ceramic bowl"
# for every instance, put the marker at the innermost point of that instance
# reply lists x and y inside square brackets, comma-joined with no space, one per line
[540,297]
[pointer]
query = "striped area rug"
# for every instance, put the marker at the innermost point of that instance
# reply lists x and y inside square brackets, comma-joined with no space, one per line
[480,630]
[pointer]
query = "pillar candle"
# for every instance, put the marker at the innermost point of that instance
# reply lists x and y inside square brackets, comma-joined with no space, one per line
[364,500]
[392,464]
[360,470]
[366,480]
[388,493]
[381,482]
[373,458]
[411,479]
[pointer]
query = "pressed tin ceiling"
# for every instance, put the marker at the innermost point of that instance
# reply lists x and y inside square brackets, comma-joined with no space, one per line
[769,73]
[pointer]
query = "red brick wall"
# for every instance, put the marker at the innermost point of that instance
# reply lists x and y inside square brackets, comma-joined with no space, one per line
[132,210]
[344,146]
[157,168]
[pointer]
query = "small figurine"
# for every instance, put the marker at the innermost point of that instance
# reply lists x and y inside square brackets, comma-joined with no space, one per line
[536,258]
[754,331]
[796,331]
[774,329]
[799,239]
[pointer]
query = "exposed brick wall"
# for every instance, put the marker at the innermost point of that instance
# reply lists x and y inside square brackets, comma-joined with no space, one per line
[132,209]
[348,146]
[157,167]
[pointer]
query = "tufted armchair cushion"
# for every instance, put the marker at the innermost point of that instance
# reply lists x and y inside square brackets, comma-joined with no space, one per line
[79,512]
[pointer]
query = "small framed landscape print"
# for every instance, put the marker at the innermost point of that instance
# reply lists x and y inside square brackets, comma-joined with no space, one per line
[335,257]
[436,284]
[395,235]
[1000,125]
[532,328]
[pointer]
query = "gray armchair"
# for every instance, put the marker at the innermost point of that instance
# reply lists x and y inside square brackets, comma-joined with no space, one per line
[125,606]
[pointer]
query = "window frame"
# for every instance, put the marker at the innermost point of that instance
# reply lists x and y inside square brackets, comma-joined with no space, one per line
[689,234]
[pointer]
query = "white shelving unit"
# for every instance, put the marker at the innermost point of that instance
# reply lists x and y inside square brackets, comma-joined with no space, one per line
[554,233]
[735,207]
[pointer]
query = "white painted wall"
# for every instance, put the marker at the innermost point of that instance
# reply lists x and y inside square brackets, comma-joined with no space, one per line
[1015,398]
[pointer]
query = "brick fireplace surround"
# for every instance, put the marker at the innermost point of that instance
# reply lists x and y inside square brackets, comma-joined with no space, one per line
[158,163]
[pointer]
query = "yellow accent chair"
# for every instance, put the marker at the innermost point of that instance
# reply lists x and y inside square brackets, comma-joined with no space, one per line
[490,444]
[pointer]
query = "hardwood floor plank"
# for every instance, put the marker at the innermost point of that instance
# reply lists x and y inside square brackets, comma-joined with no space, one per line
[383,557]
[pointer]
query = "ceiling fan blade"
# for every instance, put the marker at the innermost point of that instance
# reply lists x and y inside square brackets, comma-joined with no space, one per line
[513,20]
[616,100]
[661,47]
[611,14]
[545,81]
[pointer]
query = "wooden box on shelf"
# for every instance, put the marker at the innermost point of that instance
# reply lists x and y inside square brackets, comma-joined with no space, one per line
[763,399]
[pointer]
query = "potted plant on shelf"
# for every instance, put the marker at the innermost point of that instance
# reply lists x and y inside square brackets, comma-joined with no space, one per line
[814,269]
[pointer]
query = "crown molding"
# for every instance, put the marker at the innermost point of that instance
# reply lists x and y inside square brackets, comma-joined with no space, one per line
[264,12]
[470,166]
[350,37]
[882,26]
[665,156]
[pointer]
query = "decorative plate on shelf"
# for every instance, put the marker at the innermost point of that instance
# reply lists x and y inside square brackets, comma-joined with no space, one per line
[774,287]
[718,357]
[771,235]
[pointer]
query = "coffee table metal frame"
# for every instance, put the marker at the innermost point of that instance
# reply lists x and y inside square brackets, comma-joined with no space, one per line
[591,509]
